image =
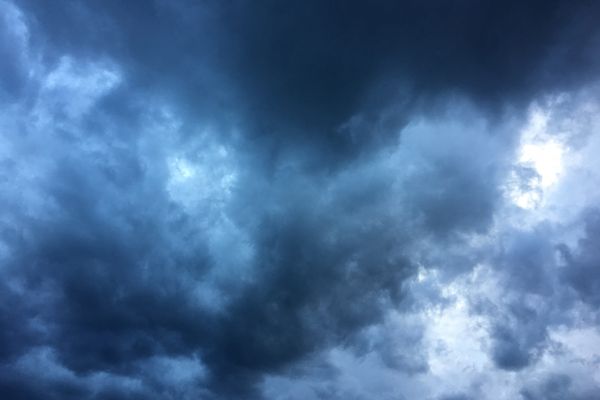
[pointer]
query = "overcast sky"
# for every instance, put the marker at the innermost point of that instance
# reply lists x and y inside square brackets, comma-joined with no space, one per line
[300,200]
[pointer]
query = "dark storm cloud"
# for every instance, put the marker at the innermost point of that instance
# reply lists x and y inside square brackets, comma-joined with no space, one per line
[24,386]
[333,74]
[121,289]
[120,263]
[320,277]
[107,269]
[305,58]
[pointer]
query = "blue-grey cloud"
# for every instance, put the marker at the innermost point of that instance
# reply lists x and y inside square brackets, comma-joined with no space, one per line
[197,196]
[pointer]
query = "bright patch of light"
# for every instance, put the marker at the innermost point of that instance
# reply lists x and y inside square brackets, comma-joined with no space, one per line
[181,169]
[454,335]
[546,159]
[582,343]
[539,163]
[204,179]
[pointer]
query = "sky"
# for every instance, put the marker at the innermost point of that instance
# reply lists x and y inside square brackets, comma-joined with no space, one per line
[300,200]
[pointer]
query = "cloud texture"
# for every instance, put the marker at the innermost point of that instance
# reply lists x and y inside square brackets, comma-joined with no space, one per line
[306,200]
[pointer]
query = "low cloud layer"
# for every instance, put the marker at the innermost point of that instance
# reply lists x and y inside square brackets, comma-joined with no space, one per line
[299,201]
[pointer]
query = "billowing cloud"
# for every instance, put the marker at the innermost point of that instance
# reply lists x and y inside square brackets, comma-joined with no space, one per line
[288,201]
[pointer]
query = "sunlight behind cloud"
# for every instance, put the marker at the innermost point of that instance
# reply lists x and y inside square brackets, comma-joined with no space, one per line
[539,163]
[546,159]
[202,179]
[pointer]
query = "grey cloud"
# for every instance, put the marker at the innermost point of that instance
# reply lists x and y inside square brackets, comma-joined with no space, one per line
[528,301]
[124,263]
[557,387]
[582,265]
[533,297]
[321,144]
[296,74]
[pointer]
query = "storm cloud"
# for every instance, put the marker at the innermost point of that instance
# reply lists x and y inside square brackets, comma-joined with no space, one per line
[316,200]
